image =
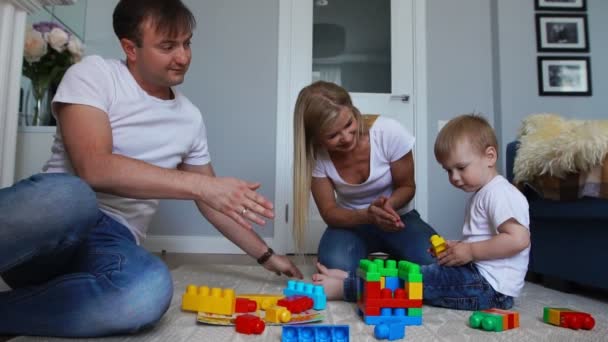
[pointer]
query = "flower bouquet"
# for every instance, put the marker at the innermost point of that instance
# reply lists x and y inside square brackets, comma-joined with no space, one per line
[49,51]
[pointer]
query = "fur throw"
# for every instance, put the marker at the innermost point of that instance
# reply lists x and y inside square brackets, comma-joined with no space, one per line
[551,145]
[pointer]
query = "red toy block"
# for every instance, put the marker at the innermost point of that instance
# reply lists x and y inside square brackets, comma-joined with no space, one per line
[371,289]
[243,305]
[576,320]
[249,324]
[296,304]
[510,318]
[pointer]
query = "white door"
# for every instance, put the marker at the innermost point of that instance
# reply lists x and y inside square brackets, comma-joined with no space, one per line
[370,48]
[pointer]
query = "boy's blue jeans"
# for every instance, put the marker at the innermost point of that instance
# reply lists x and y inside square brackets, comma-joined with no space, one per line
[342,248]
[462,288]
[75,272]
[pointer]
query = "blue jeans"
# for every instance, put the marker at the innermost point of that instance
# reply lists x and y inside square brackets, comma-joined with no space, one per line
[342,248]
[461,288]
[74,271]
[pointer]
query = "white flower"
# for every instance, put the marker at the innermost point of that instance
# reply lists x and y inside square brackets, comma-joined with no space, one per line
[76,48]
[58,39]
[35,46]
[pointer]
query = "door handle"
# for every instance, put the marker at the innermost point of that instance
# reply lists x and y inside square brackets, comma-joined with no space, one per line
[403,98]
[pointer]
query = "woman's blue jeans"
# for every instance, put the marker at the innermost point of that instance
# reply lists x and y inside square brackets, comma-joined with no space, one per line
[342,248]
[74,271]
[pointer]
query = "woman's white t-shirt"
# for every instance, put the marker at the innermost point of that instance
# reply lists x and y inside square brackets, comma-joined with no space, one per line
[389,142]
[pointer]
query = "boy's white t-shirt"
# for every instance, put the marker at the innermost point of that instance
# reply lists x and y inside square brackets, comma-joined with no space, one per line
[389,141]
[164,133]
[492,205]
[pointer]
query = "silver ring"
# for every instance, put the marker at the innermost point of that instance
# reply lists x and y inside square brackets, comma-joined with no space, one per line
[244,211]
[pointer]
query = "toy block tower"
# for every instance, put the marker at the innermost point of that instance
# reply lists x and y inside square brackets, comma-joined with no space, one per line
[389,292]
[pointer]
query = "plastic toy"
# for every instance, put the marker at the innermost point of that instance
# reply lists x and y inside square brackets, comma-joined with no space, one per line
[244,305]
[390,331]
[277,314]
[296,304]
[315,292]
[494,320]
[567,318]
[389,292]
[438,244]
[216,300]
[315,333]
[264,300]
[249,324]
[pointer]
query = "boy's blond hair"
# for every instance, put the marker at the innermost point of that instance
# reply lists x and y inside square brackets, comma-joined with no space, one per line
[474,128]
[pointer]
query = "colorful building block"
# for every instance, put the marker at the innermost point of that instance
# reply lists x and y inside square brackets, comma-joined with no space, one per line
[249,324]
[486,321]
[316,292]
[315,333]
[244,305]
[277,314]
[510,318]
[438,244]
[390,331]
[215,300]
[263,300]
[296,304]
[568,318]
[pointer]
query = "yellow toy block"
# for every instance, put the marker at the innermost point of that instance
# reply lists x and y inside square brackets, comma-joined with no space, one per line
[414,290]
[264,300]
[438,244]
[382,283]
[277,314]
[216,300]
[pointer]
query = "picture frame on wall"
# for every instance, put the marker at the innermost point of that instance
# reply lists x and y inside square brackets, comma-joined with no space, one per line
[564,76]
[561,33]
[560,5]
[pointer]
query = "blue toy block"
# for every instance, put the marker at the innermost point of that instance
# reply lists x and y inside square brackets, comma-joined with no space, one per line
[390,331]
[391,316]
[315,333]
[299,288]
[391,283]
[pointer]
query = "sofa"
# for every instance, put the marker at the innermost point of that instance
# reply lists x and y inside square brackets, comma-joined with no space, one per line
[569,238]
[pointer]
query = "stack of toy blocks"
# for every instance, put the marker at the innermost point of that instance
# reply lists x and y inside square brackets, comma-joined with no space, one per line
[315,292]
[567,318]
[389,292]
[494,320]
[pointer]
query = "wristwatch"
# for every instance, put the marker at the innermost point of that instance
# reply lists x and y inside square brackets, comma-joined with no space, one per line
[265,256]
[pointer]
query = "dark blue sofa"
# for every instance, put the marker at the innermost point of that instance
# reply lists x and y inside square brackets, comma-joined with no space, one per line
[569,238]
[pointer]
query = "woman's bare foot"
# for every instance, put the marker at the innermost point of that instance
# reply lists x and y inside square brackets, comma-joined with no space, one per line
[332,281]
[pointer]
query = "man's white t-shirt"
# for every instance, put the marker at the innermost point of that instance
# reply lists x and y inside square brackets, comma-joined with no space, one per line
[492,205]
[164,133]
[389,141]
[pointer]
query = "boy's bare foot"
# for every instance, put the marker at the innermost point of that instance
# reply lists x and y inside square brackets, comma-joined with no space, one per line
[332,281]
[332,272]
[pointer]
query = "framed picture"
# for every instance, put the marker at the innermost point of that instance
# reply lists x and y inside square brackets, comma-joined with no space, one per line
[564,76]
[560,5]
[561,33]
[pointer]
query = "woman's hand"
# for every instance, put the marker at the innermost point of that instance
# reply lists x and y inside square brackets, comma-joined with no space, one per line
[384,216]
[280,264]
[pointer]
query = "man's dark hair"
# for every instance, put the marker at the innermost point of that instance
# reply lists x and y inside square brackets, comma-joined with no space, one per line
[168,16]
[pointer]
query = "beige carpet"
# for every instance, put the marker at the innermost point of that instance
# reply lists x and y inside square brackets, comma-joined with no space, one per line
[438,324]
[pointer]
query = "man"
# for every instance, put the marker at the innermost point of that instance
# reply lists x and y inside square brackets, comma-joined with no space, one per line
[71,255]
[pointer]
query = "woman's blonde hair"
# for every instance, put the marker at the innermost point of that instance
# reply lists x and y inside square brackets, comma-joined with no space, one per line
[317,107]
[472,127]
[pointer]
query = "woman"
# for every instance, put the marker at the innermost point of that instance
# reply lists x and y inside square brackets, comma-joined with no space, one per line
[361,174]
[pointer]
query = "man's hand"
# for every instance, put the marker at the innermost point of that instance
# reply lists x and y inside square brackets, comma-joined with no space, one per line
[384,216]
[280,264]
[456,254]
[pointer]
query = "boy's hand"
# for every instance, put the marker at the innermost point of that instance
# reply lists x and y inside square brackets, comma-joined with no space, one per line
[457,254]
[384,216]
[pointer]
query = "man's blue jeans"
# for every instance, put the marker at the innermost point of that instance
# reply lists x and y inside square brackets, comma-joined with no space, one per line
[342,248]
[74,271]
[462,288]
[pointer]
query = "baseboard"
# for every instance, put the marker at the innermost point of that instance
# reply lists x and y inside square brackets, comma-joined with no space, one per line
[193,244]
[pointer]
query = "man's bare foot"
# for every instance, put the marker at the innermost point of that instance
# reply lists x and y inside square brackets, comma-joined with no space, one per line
[332,281]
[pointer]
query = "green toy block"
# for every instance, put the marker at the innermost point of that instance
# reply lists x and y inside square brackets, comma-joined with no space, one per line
[486,321]
[368,270]
[417,312]
[409,271]
[389,269]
